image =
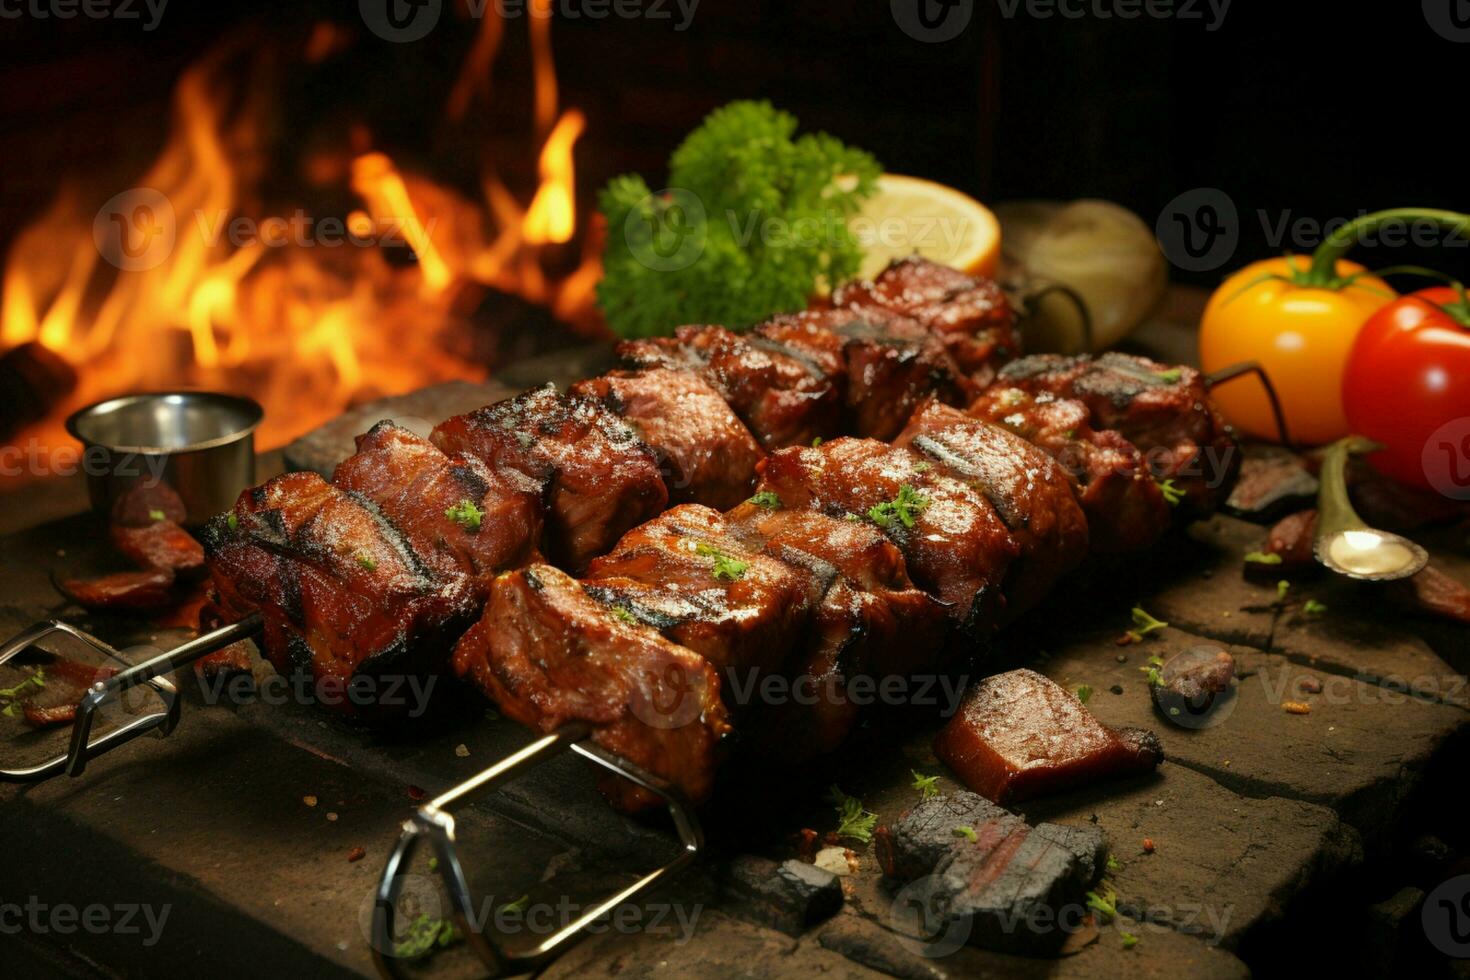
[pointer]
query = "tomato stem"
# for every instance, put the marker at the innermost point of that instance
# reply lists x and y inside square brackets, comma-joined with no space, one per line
[1323,271]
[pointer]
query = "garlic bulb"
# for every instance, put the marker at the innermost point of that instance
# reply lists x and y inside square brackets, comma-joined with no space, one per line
[1102,251]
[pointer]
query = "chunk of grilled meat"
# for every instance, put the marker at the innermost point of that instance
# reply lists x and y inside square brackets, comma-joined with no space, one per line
[887,364]
[707,455]
[957,547]
[687,574]
[549,655]
[869,620]
[784,399]
[1164,410]
[1031,493]
[1126,511]
[969,314]
[459,516]
[342,592]
[602,479]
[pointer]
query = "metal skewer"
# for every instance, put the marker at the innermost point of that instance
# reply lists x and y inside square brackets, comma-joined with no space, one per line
[150,672]
[433,822]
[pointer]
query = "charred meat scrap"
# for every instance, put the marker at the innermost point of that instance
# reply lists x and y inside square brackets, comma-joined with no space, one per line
[601,478]
[1019,735]
[1028,490]
[1018,888]
[1126,511]
[970,315]
[887,364]
[342,592]
[705,452]
[1164,410]
[49,693]
[549,654]
[460,516]
[784,399]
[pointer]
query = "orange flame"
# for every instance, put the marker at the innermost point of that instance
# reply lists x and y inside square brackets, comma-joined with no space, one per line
[281,314]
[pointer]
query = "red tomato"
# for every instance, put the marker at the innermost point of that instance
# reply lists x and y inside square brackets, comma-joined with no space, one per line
[1407,381]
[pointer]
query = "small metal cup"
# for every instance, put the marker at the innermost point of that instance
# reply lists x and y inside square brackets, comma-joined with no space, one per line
[200,443]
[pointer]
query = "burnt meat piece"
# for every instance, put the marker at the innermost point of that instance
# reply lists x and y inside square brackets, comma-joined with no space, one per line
[146,503]
[161,544]
[688,575]
[1033,496]
[784,399]
[1164,410]
[342,592]
[955,544]
[602,479]
[1291,539]
[65,683]
[889,364]
[460,517]
[869,620]
[1018,889]
[1020,735]
[1126,511]
[123,591]
[550,655]
[707,455]
[970,315]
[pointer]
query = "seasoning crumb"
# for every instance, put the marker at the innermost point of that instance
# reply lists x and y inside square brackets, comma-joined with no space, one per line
[416,793]
[1296,707]
[60,552]
[1122,658]
[1226,614]
[462,750]
[309,800]
[331,816]
[1116,689]
[1310,685]
[356,854]
[1148,845]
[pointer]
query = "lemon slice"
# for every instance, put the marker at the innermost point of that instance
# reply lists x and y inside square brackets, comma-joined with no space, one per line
[908,216]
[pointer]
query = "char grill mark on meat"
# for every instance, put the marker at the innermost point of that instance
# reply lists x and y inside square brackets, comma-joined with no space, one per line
[420,489]
[1030,492]
[785,400]
[688,574]
[887,364]
[970,315]
[601,479]
[1126,511]
[1164,410]
[868,620]
[706,453]
[549,654]
[956,545]
[342,593]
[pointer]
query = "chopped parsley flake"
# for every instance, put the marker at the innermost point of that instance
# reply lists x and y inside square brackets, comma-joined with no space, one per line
[1314,608]
[1172,494]
[466,515]
[425,935]
[1084,692]
[12,695]
[367,561]
[157,515]
[852,820]
[1282,587]
[966,832]
[1113,864]
[1104,903]
[925,785]
[1143,625]
[1169,377]
[1129,940]
[905,508]
[233,522]
[816,441]
[725,567]
[623,615]
[1263,558]
[519,905]
[766,499]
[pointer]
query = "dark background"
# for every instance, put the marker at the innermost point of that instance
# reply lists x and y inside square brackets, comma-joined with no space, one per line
[1300,110]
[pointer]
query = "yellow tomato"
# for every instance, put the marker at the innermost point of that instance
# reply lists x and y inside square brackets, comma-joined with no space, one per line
[1300,335]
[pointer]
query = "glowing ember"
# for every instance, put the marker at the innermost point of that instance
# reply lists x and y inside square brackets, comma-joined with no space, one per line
[185,281]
